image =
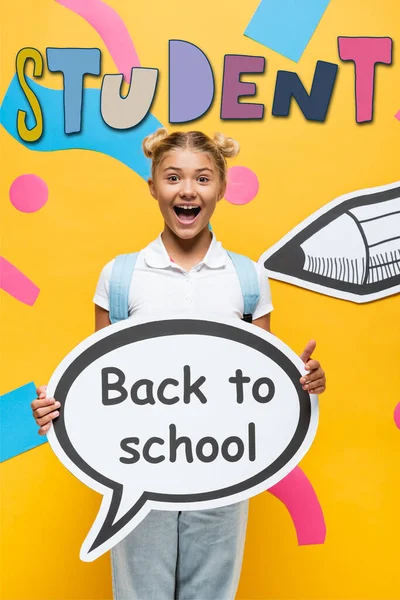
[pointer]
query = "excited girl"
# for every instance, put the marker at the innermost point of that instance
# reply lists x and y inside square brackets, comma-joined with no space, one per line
[193,555]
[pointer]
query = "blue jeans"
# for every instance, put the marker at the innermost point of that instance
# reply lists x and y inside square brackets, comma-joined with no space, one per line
[193,555]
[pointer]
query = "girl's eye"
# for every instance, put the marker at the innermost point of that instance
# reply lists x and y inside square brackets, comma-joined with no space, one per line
[203,179]
[173,178]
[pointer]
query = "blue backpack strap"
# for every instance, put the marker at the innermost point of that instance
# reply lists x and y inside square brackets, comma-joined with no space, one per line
[249,283]
[120,283]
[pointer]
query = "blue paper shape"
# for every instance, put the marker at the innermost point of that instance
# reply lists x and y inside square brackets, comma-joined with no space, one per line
[67,61]
[123,145]
[18,430]
[286,26]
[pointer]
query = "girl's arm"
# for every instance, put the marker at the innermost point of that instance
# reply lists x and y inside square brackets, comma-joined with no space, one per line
[101,317]
[264,322]
[45,409]
[315,381]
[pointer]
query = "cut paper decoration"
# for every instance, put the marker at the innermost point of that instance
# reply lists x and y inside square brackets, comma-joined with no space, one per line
[191,82]
[349,249]
[125,146]
[234,89]
[366,53]
[397,115]
[28,193]
[127,112]
[74,64]
[112,30]
[297,494]
[15,283]
[397,415]
[286,26]
[162,438]
[313,105]
[34,133]
[242,185]
[15,408]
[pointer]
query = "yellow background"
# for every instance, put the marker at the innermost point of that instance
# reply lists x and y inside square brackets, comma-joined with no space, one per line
[98,208]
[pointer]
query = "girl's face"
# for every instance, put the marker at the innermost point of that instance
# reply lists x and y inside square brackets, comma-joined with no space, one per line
[187,187]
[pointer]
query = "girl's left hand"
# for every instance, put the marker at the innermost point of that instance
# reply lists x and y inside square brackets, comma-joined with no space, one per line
[314,382]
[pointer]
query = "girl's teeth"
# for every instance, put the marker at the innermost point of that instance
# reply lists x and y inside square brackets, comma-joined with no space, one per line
[187,213]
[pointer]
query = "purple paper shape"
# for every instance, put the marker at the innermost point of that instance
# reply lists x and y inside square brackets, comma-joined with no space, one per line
[191,82]
[233,87]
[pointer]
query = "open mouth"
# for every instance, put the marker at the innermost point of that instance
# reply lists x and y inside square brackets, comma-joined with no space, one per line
[186,213]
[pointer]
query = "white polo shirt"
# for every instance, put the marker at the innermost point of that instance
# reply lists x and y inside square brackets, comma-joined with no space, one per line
[160,286]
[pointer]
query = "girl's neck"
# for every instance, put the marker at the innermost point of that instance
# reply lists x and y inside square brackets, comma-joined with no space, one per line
[186,253]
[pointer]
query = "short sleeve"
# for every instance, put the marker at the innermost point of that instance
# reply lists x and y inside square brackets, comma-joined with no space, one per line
[102,293]
[264,305]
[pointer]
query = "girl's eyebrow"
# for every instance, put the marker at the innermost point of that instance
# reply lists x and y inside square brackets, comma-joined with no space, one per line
[197,170]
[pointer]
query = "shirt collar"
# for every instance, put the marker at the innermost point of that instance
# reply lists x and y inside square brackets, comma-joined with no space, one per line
[157,257]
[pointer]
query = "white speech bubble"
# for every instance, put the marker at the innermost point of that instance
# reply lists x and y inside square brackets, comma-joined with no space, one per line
[178,414]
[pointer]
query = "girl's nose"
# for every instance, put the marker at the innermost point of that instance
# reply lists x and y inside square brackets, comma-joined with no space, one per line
[187,190]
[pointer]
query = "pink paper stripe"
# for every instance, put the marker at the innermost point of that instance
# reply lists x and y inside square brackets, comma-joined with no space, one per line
[17,284]
[111,29]
[397,415]
[397,115]
[299,497]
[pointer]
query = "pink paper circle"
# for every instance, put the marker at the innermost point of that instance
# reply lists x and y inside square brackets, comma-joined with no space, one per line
[397,415]
[28,193]
[242,185]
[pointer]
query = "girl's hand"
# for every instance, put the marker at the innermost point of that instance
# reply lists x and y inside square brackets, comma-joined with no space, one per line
[314,382]
[44,410]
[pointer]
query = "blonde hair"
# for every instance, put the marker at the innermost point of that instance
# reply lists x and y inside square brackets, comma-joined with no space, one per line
[218,148]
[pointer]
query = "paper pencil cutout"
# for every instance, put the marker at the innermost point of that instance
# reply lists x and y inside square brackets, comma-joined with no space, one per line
[349,249]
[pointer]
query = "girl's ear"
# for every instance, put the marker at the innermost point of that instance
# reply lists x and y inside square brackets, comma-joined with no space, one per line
[222,192]
[152,188]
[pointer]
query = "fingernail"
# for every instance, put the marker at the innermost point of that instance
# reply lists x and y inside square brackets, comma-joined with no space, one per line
[56,414]
[302,380]
[58,404]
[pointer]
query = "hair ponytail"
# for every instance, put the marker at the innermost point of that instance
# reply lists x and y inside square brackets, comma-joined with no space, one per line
[226,145]
[153,141]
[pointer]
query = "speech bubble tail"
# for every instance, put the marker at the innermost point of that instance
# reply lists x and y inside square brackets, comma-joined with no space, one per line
[119,514]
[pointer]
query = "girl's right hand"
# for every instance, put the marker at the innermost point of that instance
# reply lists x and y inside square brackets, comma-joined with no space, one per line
[44,410]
